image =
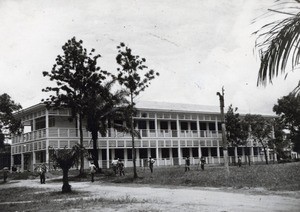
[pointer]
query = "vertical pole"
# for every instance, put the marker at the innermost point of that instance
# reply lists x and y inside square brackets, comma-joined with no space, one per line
[225,146]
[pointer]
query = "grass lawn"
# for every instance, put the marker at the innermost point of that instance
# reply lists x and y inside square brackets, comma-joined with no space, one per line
[274,177]
[284,176]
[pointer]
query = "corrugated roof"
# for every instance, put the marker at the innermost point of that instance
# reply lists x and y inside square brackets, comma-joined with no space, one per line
[168,106]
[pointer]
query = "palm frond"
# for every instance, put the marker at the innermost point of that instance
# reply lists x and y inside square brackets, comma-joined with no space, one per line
[280,46]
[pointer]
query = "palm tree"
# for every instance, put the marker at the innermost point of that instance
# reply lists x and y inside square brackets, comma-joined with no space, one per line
[279,44]
[104,106]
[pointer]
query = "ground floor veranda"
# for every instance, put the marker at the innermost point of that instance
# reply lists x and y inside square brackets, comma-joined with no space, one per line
[163,156]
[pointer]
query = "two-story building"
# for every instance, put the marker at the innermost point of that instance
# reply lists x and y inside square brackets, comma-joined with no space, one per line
[169,133]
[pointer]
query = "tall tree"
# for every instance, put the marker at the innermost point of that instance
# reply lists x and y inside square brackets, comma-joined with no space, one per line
[288,109]
[104,106]
[75,73]
[7,120]
[261,131]
[279,44]
[129,76]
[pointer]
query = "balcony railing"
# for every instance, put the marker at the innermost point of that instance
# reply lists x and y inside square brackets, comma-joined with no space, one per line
[112,133]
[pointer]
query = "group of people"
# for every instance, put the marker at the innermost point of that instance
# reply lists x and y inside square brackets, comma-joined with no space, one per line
[118,167]
[188,163]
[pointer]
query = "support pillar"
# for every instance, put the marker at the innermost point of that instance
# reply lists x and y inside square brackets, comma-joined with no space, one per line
[12,162]
[22,162]
[235,154]
[33,160]
[157,153]
[218,154]
[107,154]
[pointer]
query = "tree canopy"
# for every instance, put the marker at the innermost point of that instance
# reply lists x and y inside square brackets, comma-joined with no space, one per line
[135,77]
[288,109]
[76,74]
[7,120]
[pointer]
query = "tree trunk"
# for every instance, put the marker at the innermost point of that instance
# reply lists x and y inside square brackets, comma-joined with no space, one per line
[132,137]
[81,171]
[95,148]
[66,188]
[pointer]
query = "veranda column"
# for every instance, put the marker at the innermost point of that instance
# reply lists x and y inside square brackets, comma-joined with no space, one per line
[198,126]
[171,156]
[22,162]
[107,154]
[12,162]
[156,125]
[33,159]
[157,153]
[137,155]
[243,154]
[235,154]
[100,158]
[178,136]
[209,154]
[218,153]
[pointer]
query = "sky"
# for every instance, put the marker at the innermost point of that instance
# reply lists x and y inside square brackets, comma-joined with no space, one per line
[197,46]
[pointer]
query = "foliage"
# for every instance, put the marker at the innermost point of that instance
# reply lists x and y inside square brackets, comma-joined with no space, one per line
[65,159]
[261,130]
[288,109]
[279,143]
[76,73]
[236,129]
[278,44]
[7,120]
[104,106]
[128,76]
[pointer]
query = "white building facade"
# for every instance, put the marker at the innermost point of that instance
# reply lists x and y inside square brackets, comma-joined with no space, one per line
[169,133]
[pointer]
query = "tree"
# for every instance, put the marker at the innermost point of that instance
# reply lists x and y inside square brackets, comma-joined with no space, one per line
[75,73]
[7,120]
[237,130]
[128,76]
[280,142]
[278,44]
[66,158]
[104,106]
[261,131]
[288,109]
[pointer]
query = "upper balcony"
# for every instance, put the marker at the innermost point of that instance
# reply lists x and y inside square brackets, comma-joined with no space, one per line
[112,133]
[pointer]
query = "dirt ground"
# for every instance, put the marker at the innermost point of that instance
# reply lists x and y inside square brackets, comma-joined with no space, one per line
[151,198]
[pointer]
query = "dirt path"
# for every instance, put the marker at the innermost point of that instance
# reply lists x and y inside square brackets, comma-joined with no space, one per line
[176,199]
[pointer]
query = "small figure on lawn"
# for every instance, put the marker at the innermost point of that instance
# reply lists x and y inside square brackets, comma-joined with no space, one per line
[202,162]
[121,167]
[151,161]
[114,164]
[92,171]
[42,172]
[5,173]
[239,161]
[187,164]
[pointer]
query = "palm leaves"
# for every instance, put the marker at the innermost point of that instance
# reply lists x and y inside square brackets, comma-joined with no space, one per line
[279,46]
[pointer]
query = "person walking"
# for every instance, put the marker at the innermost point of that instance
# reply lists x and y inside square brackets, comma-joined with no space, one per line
[92,171]
[151,161]
[187,164]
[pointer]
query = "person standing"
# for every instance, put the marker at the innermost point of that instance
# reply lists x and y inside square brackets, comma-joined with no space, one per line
[187,164]
[42,172]
[239,161]
[121,167]
[151,161]
[202,161]
[114,164]
[92,171]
